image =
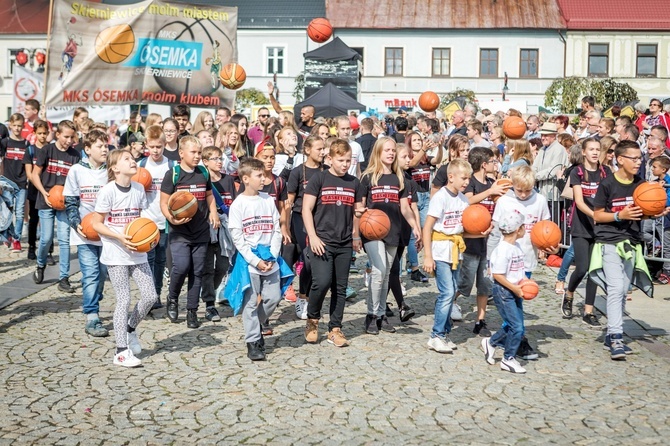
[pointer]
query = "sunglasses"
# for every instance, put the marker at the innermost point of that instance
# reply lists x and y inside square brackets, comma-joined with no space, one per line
[263,116]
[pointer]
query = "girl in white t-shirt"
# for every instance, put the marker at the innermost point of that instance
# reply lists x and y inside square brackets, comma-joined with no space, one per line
[119,203]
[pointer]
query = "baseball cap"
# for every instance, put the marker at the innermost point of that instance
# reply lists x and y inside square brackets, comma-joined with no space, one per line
[510,222]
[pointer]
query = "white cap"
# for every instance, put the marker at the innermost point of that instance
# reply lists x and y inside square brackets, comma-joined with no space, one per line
[510,222]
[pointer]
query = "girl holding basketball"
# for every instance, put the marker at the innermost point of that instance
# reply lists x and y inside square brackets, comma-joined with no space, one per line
[118,203]
[315,152]
[383,188]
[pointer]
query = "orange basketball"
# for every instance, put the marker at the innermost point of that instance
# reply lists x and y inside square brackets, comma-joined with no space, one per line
[530,289]
[651,198]
[504,182]
[143,176]
[545,234]
[374,224]
[144,232]
[56,197]
[114,44]
[429,101]
[182,204]
[232,76]
[476,219]
[87,229]
[319,30]
[514,127]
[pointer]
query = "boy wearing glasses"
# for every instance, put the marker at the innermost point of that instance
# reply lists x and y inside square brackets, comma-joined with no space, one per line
[618,245]
[255,133]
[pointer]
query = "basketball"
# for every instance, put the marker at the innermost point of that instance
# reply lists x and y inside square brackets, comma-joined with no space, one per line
[530,289]
[545,234]
[56,198]
[429,101]
[504,182]
[232,76]
[114,44]
[144,232]
[374,224]
[87,229]
[143,176]
[651,198]
[476,219]
[182,204]
[514,127]
[319,30]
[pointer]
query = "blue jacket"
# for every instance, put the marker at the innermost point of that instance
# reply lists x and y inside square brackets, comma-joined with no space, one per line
[240,280]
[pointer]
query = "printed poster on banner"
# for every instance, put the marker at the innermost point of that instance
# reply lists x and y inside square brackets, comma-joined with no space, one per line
[28,84]
[151,52]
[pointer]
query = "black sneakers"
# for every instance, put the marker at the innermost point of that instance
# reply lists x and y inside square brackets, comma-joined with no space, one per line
[591,320]
[64,285]
[525,351]
[383,324]
[389,312]
[157,305]
[255,351]
[481,329]
[406,313]
[566,305]
[172,312]
[38,275]
[31,253]
[418,276]
[211,314]
[371,324]
[192,319]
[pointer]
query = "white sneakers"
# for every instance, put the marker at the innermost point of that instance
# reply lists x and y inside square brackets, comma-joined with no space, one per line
[456,314]
[440,345]
[301,308]
[511,365]
[488,350]
[127,359]
[134,343]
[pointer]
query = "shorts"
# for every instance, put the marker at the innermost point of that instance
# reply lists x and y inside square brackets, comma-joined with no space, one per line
[474,267]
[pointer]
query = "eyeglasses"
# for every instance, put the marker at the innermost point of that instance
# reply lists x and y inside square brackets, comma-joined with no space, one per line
[263,116]
[169,131]
[655,105]
[216,160]
[635,159]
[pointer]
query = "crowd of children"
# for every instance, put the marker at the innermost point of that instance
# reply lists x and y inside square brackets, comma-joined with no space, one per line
[291,205]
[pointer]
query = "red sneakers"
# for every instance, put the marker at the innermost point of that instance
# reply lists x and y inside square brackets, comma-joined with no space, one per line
[289,295]
[16,246]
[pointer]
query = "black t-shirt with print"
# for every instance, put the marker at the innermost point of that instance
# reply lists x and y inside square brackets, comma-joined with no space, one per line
[581,224]
[412,196]
[13,152]
[197,229]
[421,174]
[477,246]
[227,189]
[613,196]
[172,155]
[334,210]
[30,157]
[441,178]
[385,196]
[55,166]
[276,189]
[297,183]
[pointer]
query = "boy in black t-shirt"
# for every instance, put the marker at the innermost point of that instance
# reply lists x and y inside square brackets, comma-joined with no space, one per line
[53,164]
[619,242]
[481,189]
[328,215]
[188,237]
[12,151]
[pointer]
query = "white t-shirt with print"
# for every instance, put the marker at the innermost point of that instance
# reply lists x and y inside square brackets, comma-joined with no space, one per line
[357,157]
[157,171]
[84,183]
[448,210]
[280,162]
[507,259]
[120,208]
[533,209]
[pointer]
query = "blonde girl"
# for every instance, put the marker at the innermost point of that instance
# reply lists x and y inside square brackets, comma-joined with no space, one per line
[120,202]
[153,119]
[229,138]
[383,188]
[287,156]
[204,121]
[518,154]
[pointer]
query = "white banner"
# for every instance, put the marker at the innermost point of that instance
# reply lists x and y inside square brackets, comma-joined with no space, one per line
[27,85]
[97,113]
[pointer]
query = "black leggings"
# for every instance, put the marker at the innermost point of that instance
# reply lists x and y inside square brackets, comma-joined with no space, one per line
[299,235]
[394,278]
[583,248]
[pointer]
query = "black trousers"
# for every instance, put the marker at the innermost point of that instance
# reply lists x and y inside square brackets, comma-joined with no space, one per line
[330,272]
[394,278]
[583,248]
[188,260]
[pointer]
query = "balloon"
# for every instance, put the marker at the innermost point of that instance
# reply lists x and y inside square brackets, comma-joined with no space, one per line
[353,122]
[361,117]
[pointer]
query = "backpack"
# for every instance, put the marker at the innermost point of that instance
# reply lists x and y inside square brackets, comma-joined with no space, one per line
[176,170]
[143,163]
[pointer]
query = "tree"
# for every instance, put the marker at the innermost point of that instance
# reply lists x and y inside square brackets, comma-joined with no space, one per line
[299,89]
[248,97]
[564,95]
[448,98]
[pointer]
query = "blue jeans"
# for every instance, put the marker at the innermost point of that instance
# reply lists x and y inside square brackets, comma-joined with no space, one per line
[19,211]
[47,217]
[446,280]
[157,258]
[510,308]
[93,275]
[412,254]
[565,264]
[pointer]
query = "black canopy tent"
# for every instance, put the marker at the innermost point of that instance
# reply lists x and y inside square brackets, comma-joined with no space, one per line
[330,102]
[333,51]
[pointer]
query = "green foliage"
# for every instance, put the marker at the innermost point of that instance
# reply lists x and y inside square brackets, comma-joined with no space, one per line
[299,90]
[248,97]
[447,98]
[564,95]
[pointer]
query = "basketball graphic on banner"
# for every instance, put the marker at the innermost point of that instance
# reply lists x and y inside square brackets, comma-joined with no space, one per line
[115,44]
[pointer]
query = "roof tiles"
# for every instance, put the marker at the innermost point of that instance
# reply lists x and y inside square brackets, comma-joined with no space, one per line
[589,15]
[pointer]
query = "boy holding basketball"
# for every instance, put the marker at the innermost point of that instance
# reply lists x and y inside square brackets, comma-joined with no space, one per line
[82,184]
[53,164]
[507,270]
[189,237]
[443,244]
[533,206]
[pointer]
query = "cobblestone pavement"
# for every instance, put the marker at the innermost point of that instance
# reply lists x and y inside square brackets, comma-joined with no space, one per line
[58,385]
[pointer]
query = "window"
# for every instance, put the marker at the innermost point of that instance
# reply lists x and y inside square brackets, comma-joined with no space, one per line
[646,60]
[528,63]
[275,60]
[12,61]
[441,61]
[393,59]
[488,62]
[598,59]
